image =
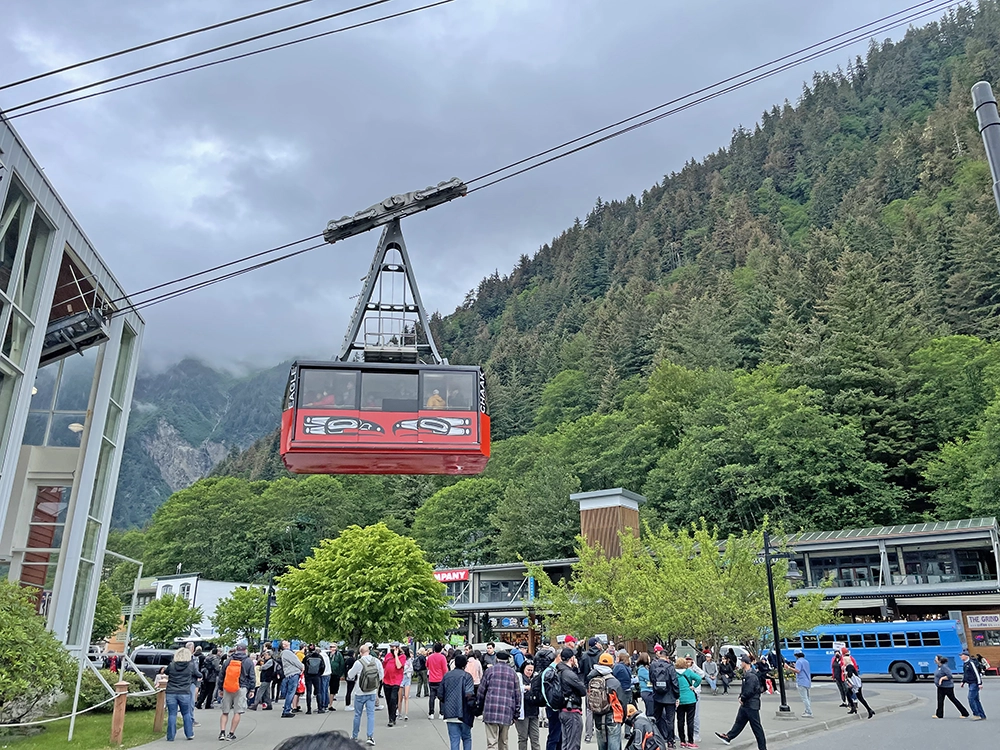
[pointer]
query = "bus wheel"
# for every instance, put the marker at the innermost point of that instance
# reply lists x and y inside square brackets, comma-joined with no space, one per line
[901,672]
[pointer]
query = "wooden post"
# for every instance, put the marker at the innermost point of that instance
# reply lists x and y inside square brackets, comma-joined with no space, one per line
[118,718]
[160,684]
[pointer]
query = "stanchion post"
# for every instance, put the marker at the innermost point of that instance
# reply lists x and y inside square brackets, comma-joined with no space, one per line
[118,718]
[161,702]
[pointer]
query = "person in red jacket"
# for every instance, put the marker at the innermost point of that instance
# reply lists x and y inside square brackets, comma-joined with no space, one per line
[392,665]
[437,666]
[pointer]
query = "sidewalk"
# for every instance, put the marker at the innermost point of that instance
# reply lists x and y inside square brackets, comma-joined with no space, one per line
[264,730]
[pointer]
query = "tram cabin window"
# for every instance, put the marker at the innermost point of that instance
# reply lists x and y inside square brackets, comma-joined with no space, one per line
[932,638]
[454,391]
[884,640]
[389,391]
[328,389]
[898,639]
[810,641]
[826,641]
[913,639]
[854,641]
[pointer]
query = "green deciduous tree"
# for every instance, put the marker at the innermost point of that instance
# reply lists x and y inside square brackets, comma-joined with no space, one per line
[454,525]
[367,583]
[164,619]
[240,615]
[34,666]
[108,615]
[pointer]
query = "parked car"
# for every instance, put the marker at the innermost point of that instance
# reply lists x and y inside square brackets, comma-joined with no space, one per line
[150,661]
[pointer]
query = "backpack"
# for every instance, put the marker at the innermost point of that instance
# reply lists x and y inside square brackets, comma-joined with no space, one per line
[231,683]
[645,736]
[314,664]
[597,695]
[659,677]
[552,691]
[534,696]
[368,679]
[279,668]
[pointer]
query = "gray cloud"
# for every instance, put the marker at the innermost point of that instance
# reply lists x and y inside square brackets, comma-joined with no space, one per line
[178,175]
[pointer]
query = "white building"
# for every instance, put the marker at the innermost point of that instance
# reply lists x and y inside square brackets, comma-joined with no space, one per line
[69,348]
[200,592]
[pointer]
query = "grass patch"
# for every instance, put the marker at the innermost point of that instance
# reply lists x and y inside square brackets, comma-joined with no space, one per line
[92,732]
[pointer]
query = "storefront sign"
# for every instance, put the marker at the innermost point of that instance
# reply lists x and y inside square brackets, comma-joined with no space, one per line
[983,622]
[449,576]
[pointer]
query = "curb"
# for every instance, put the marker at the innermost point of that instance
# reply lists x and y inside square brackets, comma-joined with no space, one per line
[823,726]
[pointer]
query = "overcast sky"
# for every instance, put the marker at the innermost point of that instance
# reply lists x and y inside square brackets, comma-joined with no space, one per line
[181,174]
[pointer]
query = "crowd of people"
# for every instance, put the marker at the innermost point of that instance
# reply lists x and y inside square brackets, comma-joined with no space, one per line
[579,692]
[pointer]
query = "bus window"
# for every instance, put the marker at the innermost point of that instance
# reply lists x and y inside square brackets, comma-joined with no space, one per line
[884,640]
[898,639]
[854,641]
[932,638]
[913,639]
[840,638]
[810,641]
[826,641]
[870,640]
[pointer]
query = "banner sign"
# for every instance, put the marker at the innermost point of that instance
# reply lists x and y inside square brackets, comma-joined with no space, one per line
[983,622]
[450,576]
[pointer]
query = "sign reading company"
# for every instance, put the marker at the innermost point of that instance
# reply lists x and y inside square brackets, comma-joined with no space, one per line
[983,622]
[450,576]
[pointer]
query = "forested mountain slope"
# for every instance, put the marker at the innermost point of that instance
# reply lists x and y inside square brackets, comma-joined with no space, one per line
[802,325]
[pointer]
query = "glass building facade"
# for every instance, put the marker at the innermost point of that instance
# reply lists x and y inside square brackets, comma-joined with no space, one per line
[67,366]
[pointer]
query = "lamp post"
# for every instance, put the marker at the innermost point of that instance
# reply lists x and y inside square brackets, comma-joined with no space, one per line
[267,612]
[784,711]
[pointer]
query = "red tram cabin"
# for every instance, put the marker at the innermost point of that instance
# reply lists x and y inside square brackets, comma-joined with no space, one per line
[365,418]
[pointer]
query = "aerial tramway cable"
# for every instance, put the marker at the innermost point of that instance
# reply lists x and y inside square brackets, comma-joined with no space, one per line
[801,56]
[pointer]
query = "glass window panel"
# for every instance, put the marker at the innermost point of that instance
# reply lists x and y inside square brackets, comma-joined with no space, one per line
[854,641]
[870,640]
[913,639]
[51,504]
[328,389]
[826,641]
[27,291]
[67,430]
[99,498]
[12,219]
[81,595]
[90,535]
[7,383]
[123,364]
[389,391]
[34,429]
[16,338]
[77,380]
[898,639]
[884,640]
[810,641]
[452,391]
[45,388]
[185,591]
[42,576]
[45,535]
[932,638]
[112,422]
[168,589]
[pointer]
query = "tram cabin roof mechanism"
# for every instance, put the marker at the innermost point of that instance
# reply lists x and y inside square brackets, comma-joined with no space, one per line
[389,403]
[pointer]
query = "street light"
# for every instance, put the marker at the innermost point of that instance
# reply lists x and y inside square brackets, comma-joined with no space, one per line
[784,711]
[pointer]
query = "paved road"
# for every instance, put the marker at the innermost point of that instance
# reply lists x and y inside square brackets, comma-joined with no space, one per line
[913,727]
[264,730]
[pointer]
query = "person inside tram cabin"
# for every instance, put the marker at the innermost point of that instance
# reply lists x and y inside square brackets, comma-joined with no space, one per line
[435,401]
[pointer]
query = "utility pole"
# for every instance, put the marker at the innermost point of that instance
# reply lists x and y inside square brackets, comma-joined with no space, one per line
[267,612]
[784,711]
[985,106]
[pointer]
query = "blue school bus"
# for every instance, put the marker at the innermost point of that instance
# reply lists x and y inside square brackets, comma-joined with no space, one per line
[902,650]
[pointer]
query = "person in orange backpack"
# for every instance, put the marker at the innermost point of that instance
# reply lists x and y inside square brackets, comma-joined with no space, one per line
[237,682]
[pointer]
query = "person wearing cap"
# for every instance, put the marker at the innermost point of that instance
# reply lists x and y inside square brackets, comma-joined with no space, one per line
[573,690]
[500,698]
[235,702]
[609,726]
[587,663]
[749,712]
[803,681]
[972,678]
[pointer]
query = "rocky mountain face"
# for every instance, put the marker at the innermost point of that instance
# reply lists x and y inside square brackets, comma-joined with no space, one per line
[184,422]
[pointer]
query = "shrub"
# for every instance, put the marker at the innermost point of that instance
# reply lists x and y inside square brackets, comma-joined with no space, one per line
[93,692]
[34,666]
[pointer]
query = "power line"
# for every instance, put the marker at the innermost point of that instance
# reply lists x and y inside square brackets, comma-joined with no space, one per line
[155,43]
[193,55]
[202,66]
[867,32]
[881,25]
